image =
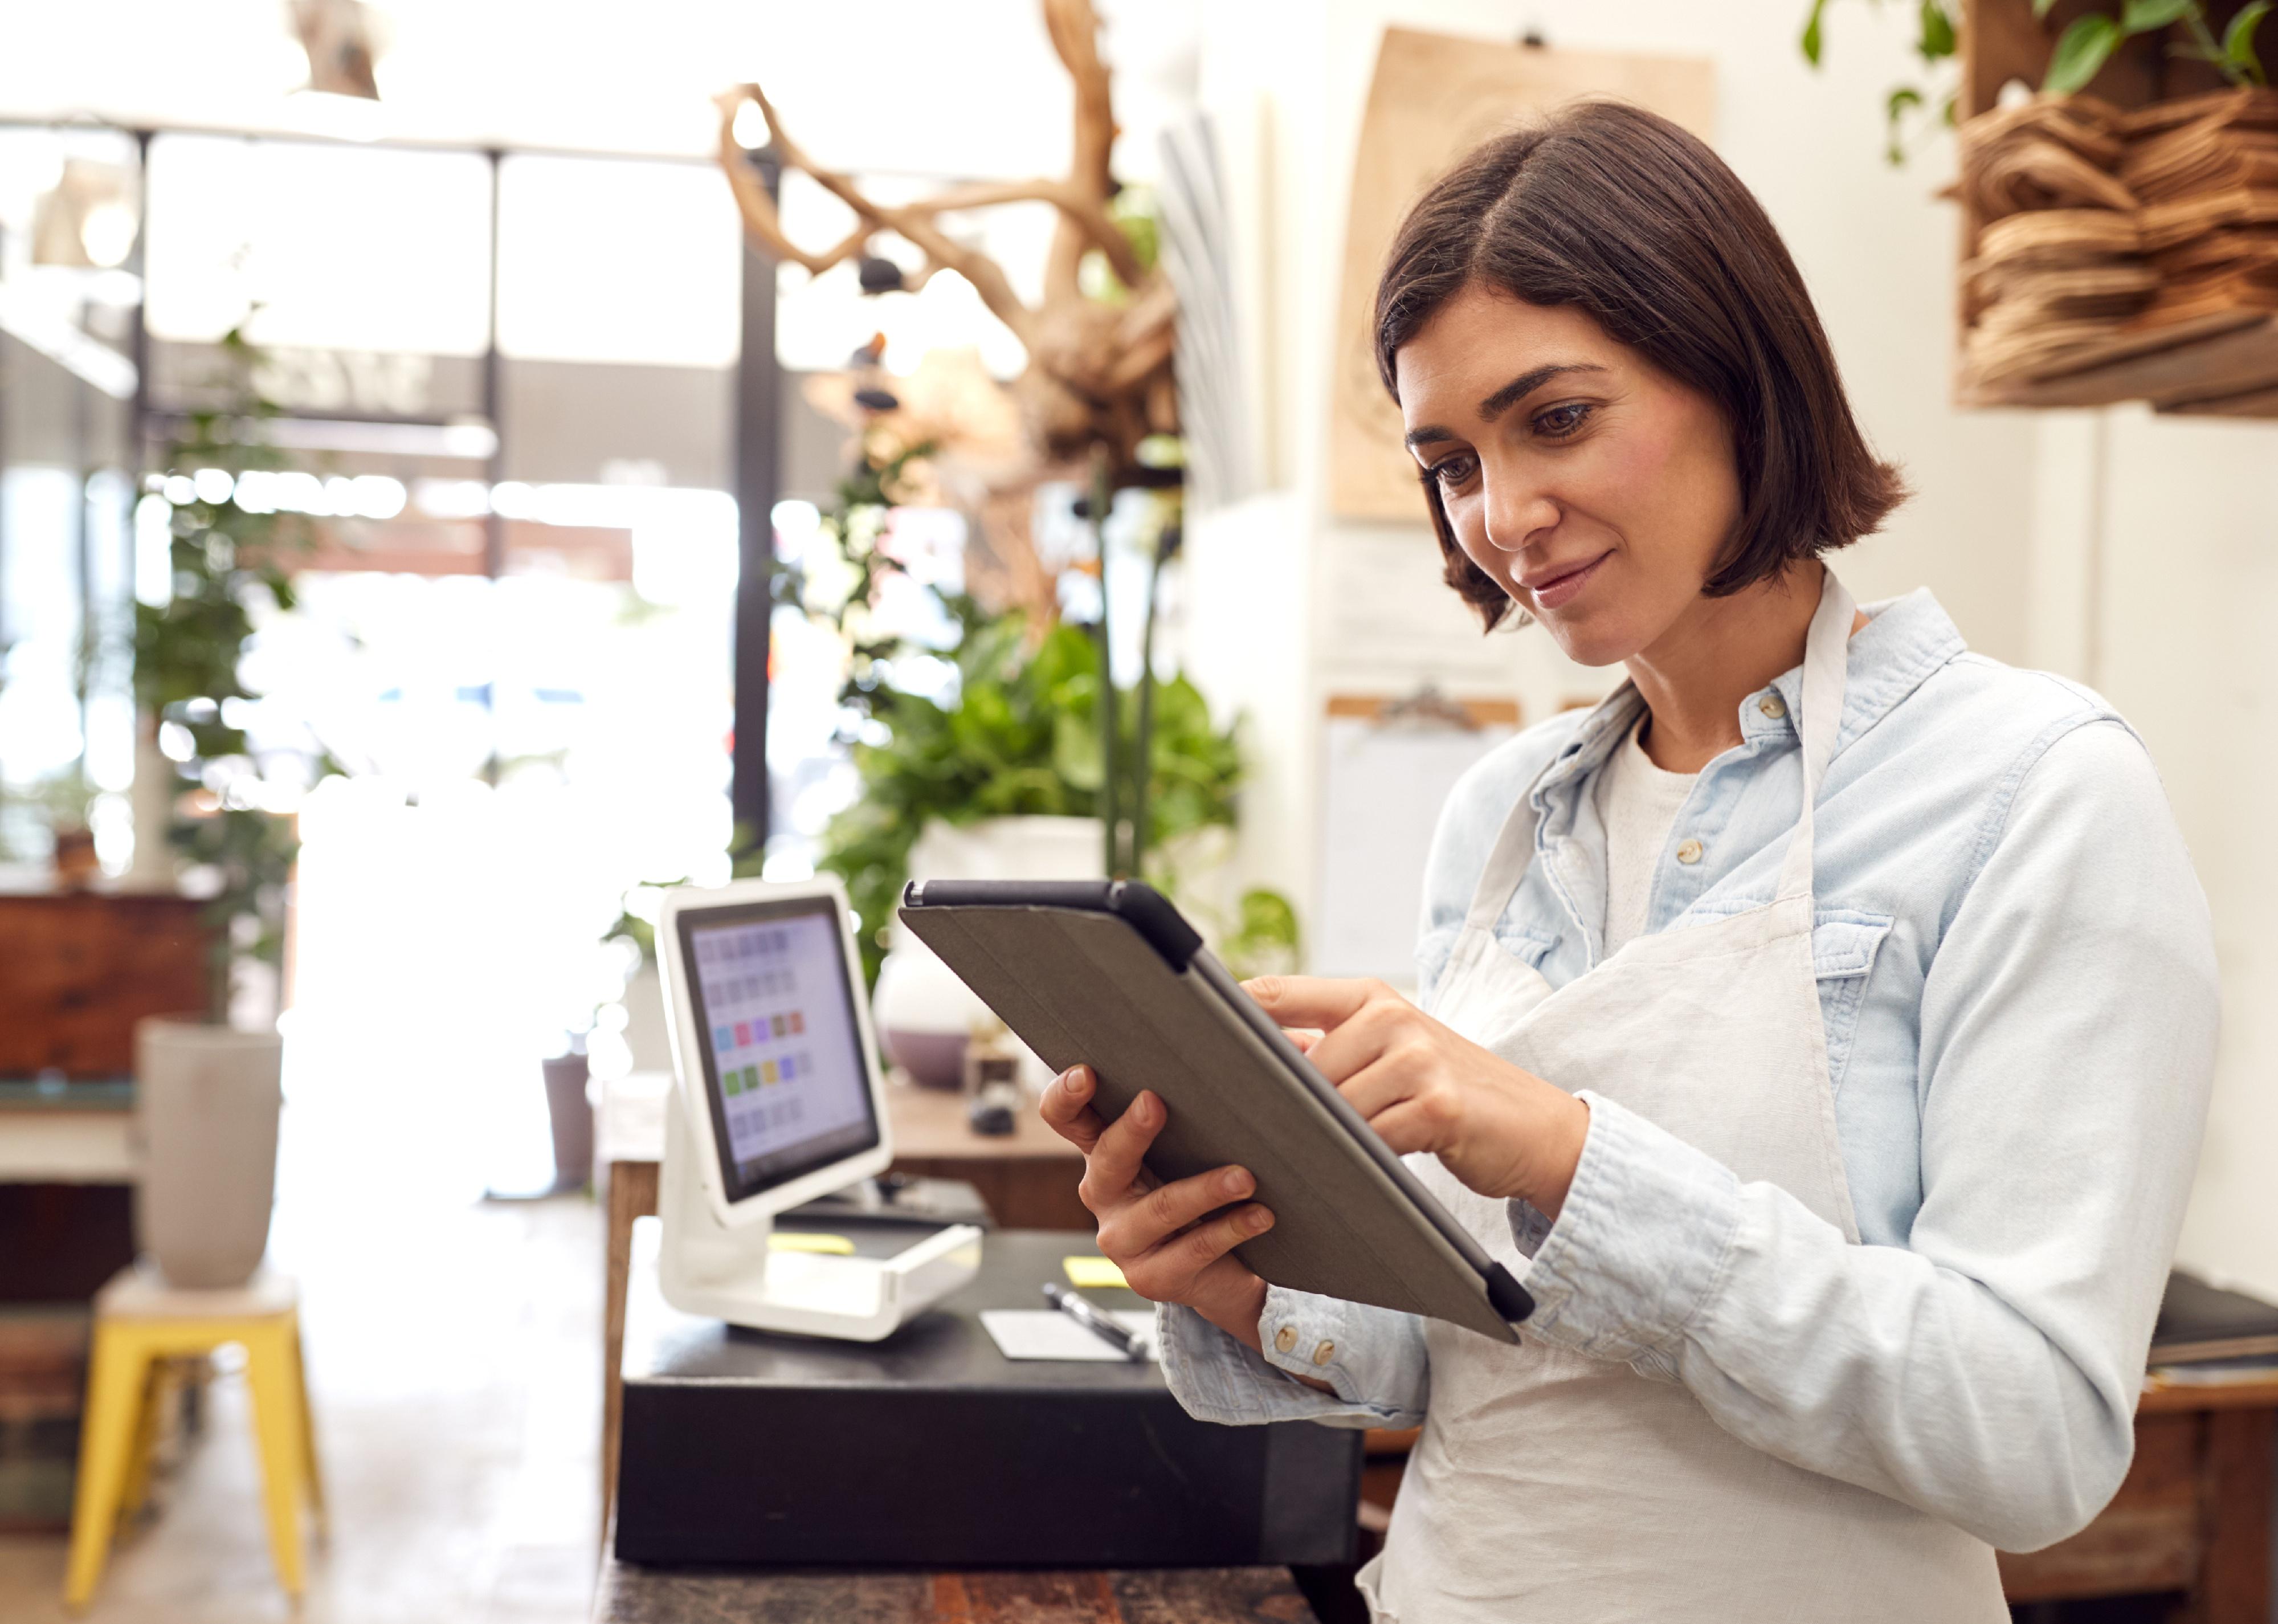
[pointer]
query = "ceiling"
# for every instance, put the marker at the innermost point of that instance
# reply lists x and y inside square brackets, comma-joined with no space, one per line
[970,88]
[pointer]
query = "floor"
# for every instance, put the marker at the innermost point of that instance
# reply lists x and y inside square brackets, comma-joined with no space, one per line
[453,1349]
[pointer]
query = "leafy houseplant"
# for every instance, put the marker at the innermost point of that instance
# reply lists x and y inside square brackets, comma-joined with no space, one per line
[207,1093]
[2081,51]
[2084,47]
[226,551]
[1033,728]
[1022,739]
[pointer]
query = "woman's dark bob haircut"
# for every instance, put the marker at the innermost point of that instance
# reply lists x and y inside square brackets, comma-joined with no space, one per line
[1633,221]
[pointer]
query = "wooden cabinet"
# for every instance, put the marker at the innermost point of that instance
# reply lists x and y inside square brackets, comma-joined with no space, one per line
[77,969]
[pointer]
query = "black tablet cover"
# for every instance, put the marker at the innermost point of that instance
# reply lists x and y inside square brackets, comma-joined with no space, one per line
[1083,976]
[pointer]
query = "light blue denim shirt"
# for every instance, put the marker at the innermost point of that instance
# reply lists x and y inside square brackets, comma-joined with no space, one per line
[2018,978]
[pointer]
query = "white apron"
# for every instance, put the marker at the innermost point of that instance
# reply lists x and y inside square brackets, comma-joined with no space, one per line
[1548,1486]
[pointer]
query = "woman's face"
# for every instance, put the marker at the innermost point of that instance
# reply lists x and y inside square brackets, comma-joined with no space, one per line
[1595,489]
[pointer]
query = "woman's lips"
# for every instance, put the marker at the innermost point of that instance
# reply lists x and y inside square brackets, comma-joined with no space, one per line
[1561,589]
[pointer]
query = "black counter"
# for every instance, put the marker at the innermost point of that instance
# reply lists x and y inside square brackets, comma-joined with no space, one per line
[932,1450]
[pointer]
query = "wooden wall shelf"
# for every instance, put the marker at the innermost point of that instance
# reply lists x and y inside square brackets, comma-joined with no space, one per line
[2221,363]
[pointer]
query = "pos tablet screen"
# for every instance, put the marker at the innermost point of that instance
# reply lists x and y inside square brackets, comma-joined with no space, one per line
[1108,974]
[786,1081]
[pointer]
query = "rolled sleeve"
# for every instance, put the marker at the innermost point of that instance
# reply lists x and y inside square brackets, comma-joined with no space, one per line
[1372,1357]
[1645,1234]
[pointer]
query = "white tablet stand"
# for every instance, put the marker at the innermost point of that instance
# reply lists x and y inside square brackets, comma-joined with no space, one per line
[736,1275]
[718,1256]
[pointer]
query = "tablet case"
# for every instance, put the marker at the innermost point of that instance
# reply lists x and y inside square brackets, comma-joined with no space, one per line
[1109,973]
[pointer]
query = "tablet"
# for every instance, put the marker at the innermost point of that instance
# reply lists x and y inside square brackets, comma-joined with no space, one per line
[1107,973]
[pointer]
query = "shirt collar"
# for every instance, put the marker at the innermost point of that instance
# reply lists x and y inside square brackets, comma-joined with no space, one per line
[1904,640]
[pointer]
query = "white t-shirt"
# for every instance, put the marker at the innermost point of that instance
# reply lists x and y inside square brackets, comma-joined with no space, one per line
[1637,803]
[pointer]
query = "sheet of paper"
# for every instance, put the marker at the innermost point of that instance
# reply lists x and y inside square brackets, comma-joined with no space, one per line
[1092,1273]
[1047,1333]
[1381,792]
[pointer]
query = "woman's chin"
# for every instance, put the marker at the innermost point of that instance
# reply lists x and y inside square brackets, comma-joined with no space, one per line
[1587,639]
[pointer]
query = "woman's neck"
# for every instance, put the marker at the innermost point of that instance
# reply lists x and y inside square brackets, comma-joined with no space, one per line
[1720,651]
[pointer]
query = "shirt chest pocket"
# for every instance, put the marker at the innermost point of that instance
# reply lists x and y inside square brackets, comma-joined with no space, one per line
[1843,948]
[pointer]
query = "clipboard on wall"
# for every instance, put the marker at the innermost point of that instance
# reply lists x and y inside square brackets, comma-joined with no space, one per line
[1388,766]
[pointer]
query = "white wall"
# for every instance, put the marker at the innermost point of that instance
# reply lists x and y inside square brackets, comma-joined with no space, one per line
[2104,576]
[2159,541]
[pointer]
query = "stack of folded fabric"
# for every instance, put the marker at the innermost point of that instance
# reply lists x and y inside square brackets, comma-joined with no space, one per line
[2059,267]
[2205,173]
[2105,234]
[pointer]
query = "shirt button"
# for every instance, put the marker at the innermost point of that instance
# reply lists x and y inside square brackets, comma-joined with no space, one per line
[1284,1338]
[1690,852]
[1323,1354]
[1773,706]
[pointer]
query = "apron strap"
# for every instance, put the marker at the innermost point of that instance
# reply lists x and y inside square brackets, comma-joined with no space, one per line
[1826,672]
[1507,863]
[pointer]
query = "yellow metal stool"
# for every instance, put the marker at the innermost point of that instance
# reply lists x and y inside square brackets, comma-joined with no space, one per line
[140,1323]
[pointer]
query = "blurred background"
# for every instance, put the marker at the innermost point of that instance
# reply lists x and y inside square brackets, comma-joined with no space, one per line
[466,467]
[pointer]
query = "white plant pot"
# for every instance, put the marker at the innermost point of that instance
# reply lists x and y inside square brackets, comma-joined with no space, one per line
[208,1100]
[923,1013]
[645,1034]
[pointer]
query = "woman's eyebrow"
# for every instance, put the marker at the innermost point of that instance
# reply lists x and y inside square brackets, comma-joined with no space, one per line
[1525,384]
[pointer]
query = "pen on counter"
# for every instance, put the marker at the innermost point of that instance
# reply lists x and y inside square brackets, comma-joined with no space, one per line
[1093,1320]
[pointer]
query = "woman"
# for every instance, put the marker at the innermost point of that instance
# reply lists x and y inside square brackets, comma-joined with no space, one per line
[1821,1026]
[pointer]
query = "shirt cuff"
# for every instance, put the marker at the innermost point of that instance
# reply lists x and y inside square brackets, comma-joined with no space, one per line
[1646,1236]
[1216,1377]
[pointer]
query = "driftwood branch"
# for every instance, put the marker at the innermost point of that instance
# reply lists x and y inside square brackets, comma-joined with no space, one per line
[1098,373]
[1074,31]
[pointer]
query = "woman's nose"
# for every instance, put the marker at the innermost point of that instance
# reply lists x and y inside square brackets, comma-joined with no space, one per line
[1516,512]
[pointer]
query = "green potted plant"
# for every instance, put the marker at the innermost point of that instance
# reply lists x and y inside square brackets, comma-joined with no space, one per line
[209,1092]
[1035,766]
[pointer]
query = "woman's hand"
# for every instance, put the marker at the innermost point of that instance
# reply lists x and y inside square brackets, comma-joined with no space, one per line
[1172,1241]
[1502,1130]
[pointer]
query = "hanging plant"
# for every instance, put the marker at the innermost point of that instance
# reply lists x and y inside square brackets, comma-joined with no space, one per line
[2080,52]
[2084,48]
[1935,38]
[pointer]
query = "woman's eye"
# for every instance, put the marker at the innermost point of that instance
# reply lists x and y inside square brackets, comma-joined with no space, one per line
[1452,471]
[1561,421]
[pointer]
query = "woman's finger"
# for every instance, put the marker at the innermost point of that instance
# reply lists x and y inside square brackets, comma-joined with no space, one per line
[1067,1108]
[1382,1083]
[1343,1051]
[1313,1001]
[1411,1125]
[1206,1242]
[1141,1225]
[1113,1164]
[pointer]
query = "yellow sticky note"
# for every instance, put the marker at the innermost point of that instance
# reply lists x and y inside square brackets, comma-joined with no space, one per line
[1093,1272]
[801,1240]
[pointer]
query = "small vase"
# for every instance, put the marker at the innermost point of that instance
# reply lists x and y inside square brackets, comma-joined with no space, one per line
[208,1098]
[571,1116]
